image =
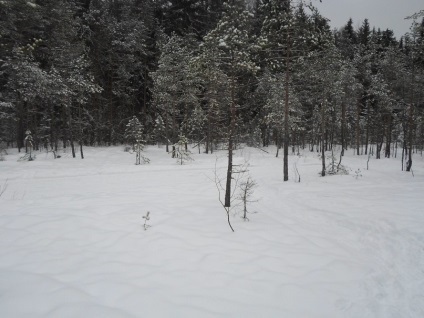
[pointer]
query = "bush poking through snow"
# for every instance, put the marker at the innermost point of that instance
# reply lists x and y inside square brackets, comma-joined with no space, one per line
[139,158]
[334,168]
[358,174]
[247,187]
[146,218]
[3,188]
[127,148]
[242,189]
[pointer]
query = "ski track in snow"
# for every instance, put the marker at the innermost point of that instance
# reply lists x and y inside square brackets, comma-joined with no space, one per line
[72,242]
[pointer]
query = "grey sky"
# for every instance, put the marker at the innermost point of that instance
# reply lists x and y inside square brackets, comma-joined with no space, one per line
[383,14]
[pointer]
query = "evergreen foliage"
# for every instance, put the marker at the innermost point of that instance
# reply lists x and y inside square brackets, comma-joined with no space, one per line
[134,136]
[218,72]
[181,151]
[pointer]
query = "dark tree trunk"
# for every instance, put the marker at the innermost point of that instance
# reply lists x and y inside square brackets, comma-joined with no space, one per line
[358,136]
[342,131]
[323,138]
[227,202]
[367,132]
[82,153]
[410,137]
[166,133]
[20,133]
[388,136]
[71,140]
[286,113]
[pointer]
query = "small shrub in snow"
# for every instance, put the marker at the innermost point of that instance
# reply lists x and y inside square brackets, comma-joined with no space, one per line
[334,168]
[139,158]
[242,189]
[3,188]
[358,174]
[247,187]
[146,218]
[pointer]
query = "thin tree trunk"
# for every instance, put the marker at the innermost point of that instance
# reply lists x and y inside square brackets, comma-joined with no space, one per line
[367,132]
[410,137]
[167,133]
[227,202]
[411,114]
[208,134]
[388,135]
[71,140]
[358,111]
[20,133]
[82,154]
[323,138]
[286,113]
[343,125]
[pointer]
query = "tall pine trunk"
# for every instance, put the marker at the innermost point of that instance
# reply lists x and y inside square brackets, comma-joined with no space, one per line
[323,106]
[358,112]
[227,202]
[286,113]
[343,125]
[411,118]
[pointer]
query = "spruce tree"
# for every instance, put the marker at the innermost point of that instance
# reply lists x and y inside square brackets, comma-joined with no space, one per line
[134,136]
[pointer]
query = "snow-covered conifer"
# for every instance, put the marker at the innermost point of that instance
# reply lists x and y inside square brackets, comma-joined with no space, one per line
[134,135]
[181,152]
[29,144]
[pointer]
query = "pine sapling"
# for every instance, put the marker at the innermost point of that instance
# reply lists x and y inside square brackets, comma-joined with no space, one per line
[246,191]
[181,152]
[134,135]
[139,158]
[28,145]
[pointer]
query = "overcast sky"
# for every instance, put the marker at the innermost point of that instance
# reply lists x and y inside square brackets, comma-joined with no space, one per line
[383,14]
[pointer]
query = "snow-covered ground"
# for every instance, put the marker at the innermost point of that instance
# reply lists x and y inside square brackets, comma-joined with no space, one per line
[72,242]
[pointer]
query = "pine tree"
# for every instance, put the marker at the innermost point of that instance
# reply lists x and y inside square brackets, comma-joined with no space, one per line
[196,125]
[29,144]
[233,45]
[346,40]
[286,35]
[215,94]
[134,136]
[188,16]
[175,93]
[133,131]
[323,71]
[182,154]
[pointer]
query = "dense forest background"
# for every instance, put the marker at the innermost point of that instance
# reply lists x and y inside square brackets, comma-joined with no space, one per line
[75,72]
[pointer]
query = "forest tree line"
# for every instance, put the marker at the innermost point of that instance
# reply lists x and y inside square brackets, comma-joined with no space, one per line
[75,72]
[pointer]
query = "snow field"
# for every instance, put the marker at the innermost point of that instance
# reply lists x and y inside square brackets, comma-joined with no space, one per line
[72,242]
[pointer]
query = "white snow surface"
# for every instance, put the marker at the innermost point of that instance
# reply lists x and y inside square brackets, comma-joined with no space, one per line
[72,242]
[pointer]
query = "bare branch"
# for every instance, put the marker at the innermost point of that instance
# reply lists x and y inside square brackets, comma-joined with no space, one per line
[3,188]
